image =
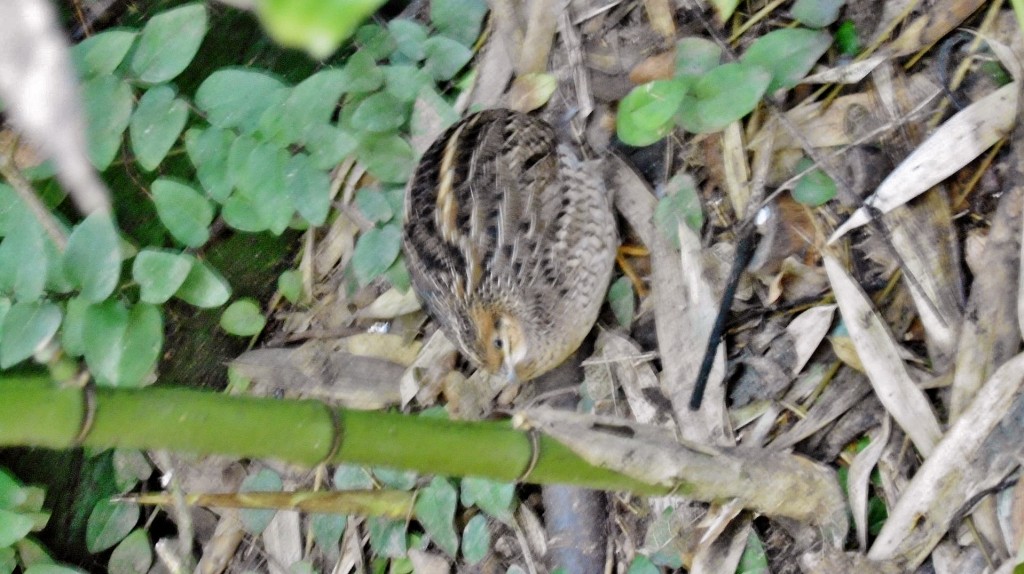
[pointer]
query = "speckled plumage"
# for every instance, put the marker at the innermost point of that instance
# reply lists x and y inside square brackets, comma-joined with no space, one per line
[509,241]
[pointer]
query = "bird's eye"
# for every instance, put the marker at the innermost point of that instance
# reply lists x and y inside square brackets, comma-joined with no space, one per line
[497,343]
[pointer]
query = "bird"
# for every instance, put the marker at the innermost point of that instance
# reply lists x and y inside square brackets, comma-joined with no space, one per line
[510,242]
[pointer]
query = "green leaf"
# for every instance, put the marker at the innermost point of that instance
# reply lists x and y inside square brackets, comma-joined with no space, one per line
[476,540]
[846,39]
[435,511]
[156,125]
[160,274]
[375,251]
[405,82]
[815,188]
[28,327]
[204,287]
[168,43]
[309,105]
[289,284]
[243,318]
[134,555]
[754,559]
[646,113]
[680,204]
[788,54]
[255,520]
[316,26]
[183,211]
[101,54]
[109,523]
[642,565]
[327,531]
[238,97]
[13,527]
[409,37]
[8,561]
[380,112]
[695,57]
[817,13]
[395,478]
[398,275]
[622,301]
[122,345]
[387,537]
[12,493]
[389,158]
[208,149]
[375,41]
[445,57]
[23,260]
[240,213]
[458,19]
[260,180]
[92,260]
[494,498]
[351,477]
[308,188]
[363,73]
[108,108]
[373,204]
[72,337]
[723,96]
[52,569]
[130,467]
[328,145]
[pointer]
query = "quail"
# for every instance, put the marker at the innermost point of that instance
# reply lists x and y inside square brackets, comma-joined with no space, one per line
[510,242]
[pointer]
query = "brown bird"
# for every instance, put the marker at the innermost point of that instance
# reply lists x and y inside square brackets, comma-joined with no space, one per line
[510,241]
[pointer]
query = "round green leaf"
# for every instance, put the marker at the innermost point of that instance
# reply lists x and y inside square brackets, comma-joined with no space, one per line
[788,54]
[814,188]
[328,145]
[183,211]
[388,537]
[156,125]
[289,284]
[680,204]
[846,39]
[646,113]
[130,467]
[754,559]
[109,523]
[308,188]
[494,498]
[642,565]
[445,57]
[373,204]
[723,96]
[8,560]
[375,41]
[13,527]
[405,82]
[389,158]
[243,318]
[380,112]
[240,213]
[363,73]
[409,37]
[92,259]
[23,260]
[254,520]
[435,511]
[622,301]
[308,105]
[237,98]
[101,54]
[327,531]
[134,555]
[208,149]
[476,539]
[160,273]
[351,477]
[316,26]
[108,108]
[204,287]
[260,179]
[695,57]
[817,13]
[72,337]
[122,345]
[27,328]
[458,19]
[12,493]
[394,478]
[375,251]
[168,43]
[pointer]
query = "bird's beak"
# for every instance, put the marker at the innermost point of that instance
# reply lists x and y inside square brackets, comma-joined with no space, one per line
[508,366]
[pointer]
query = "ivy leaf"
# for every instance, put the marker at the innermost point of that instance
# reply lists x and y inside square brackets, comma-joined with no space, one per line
[72,337]
[405,82]
[309,104]
[723,96]
[243,318]
[495,498]
[92,260]
[108,108]
[363,73]
[183,211]
[476,540]
[208,149]
[204,287]
[445,57]
[101,54]
[168,43]
[27,328]
[328,145]
[373,204]
[375,41]
[133,554]
[160,274]
[458,19]
[23,260]
[435,511]
[109,522]
[788,54]
[375,251]
[409,37]
[238,98]
[380,112]
[308,188]
[646,113]
[389,158]
[156,125]
[122,345]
